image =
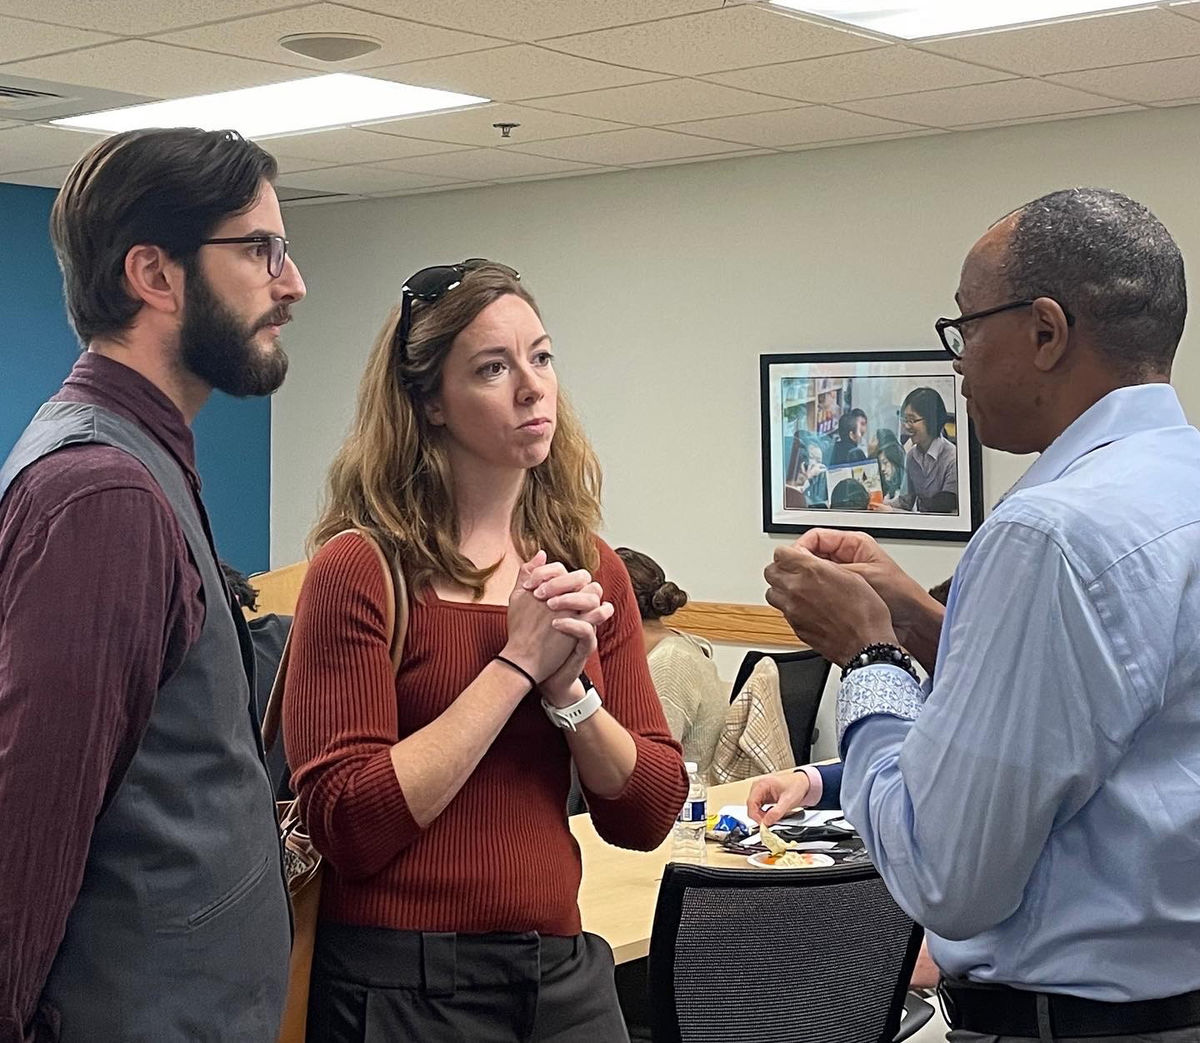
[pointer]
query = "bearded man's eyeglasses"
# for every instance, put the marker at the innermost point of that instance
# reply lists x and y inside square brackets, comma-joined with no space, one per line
[273,247]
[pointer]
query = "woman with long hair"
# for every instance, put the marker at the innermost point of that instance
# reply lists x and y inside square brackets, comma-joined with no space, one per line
[436,793]
[931,463]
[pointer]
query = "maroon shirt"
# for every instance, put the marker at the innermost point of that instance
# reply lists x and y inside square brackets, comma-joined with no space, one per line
[99,604]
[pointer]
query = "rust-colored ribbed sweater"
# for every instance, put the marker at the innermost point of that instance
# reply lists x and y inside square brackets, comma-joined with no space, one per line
[500,856]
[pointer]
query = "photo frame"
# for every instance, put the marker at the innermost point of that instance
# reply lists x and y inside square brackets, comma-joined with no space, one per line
[875,441]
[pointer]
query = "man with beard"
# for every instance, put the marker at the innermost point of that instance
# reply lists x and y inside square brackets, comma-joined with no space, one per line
[141,884]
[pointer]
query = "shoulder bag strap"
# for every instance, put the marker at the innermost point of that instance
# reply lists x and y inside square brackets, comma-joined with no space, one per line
[396,614]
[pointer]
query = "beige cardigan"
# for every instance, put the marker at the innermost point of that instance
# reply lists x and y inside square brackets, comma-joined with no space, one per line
[694,698]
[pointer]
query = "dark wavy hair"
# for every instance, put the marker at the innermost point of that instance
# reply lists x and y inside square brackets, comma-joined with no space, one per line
[656,595]
[167,188]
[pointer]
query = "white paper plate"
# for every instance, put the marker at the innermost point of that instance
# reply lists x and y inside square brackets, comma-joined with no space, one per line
[812,860]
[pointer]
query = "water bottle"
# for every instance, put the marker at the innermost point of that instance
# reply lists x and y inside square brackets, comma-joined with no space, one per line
[687,837]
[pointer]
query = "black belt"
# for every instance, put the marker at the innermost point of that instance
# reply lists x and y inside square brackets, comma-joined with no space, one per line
[998,1010]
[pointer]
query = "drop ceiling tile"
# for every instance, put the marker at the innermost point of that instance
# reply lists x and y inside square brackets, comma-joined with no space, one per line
[474,126]
[258,37]
[713,41]
[483,164]
[535,19]
[1187,8]
[1084,43]
[35,148]
[1148,82]
[793,127]
[509,73]
[157,69]
[296,165]
[426,190]
[739,154]
[351,145]
[51,177]
[863,74]
[1025,121]
[982,103]
[915,132]
[668,101]
[20,38]
[580,172]
[137,17]
[633,145]
[358,180]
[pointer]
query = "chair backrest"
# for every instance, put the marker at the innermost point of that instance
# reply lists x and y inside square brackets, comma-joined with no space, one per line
[802,677]
[778,956]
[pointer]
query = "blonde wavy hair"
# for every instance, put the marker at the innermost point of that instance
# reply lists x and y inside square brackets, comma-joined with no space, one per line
[392,475]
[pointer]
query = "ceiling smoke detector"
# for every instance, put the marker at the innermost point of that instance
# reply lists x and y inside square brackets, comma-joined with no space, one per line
[330,47]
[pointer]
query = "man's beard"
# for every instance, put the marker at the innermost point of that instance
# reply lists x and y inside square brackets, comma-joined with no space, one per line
[221,350]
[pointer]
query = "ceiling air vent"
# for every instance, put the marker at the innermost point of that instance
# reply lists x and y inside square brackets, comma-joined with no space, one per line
[13,98]
[22,98]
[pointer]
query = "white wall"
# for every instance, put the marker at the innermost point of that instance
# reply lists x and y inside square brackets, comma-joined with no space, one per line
[662,286]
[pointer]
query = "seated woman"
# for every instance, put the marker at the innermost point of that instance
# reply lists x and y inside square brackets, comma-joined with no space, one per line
[891,469]
[449,906]
[694,698]
[931,466]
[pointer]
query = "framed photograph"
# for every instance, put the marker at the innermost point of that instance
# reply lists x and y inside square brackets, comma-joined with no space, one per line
[876,441]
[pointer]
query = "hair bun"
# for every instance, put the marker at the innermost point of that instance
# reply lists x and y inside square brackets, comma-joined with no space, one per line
[668,599]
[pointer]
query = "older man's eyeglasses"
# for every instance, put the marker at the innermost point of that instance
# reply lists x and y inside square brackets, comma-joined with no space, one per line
[274,247]
[432,284]
[949,331]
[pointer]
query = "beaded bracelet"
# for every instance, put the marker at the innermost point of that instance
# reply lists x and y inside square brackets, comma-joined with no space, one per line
[892,655]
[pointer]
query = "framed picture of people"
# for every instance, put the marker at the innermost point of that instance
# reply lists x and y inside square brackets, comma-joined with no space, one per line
[877,441]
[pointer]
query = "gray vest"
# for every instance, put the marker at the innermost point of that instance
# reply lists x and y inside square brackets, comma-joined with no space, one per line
[181,930]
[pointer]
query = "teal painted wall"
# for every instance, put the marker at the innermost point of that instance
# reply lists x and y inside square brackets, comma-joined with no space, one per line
[38,348]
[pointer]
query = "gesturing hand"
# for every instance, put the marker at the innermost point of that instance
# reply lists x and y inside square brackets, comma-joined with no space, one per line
[830,607]
[905,598]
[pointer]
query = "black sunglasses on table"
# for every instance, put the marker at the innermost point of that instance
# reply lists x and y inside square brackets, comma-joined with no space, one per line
[950,333]
[431,284]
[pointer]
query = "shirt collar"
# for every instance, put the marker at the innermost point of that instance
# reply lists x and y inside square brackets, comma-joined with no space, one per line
[1119,414]
[934,450]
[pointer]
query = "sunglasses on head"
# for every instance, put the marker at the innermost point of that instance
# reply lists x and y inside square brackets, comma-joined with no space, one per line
[431,284]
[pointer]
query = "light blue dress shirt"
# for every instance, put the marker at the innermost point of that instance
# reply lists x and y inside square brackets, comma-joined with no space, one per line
[1039,809]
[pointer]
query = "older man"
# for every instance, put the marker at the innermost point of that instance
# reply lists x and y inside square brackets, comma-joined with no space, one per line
[1037,806]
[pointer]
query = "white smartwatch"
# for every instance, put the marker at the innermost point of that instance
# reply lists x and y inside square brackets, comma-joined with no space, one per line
[570,717]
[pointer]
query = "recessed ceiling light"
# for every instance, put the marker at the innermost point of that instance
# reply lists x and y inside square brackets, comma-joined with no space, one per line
[314,103]
[329,47]
[919,19]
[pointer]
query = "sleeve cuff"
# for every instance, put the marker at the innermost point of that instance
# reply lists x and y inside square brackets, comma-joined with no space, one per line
[816,786]
[877,689]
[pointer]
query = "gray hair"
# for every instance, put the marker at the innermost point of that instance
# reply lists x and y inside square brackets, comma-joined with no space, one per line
[1110,263]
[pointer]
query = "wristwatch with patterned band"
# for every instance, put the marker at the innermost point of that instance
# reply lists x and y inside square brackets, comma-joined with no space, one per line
[570,717]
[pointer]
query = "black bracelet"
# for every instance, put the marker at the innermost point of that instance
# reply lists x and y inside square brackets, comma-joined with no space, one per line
[891,655]
[519,669]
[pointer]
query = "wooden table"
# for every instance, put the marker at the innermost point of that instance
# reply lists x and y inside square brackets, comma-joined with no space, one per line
[620,887]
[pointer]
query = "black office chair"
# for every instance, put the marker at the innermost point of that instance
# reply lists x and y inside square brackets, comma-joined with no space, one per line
[781,956]
[802,677]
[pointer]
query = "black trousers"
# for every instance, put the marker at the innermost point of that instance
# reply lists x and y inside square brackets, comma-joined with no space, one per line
[374,985]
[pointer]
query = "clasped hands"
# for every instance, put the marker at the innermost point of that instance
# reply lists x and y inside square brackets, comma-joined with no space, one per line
[552,619]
